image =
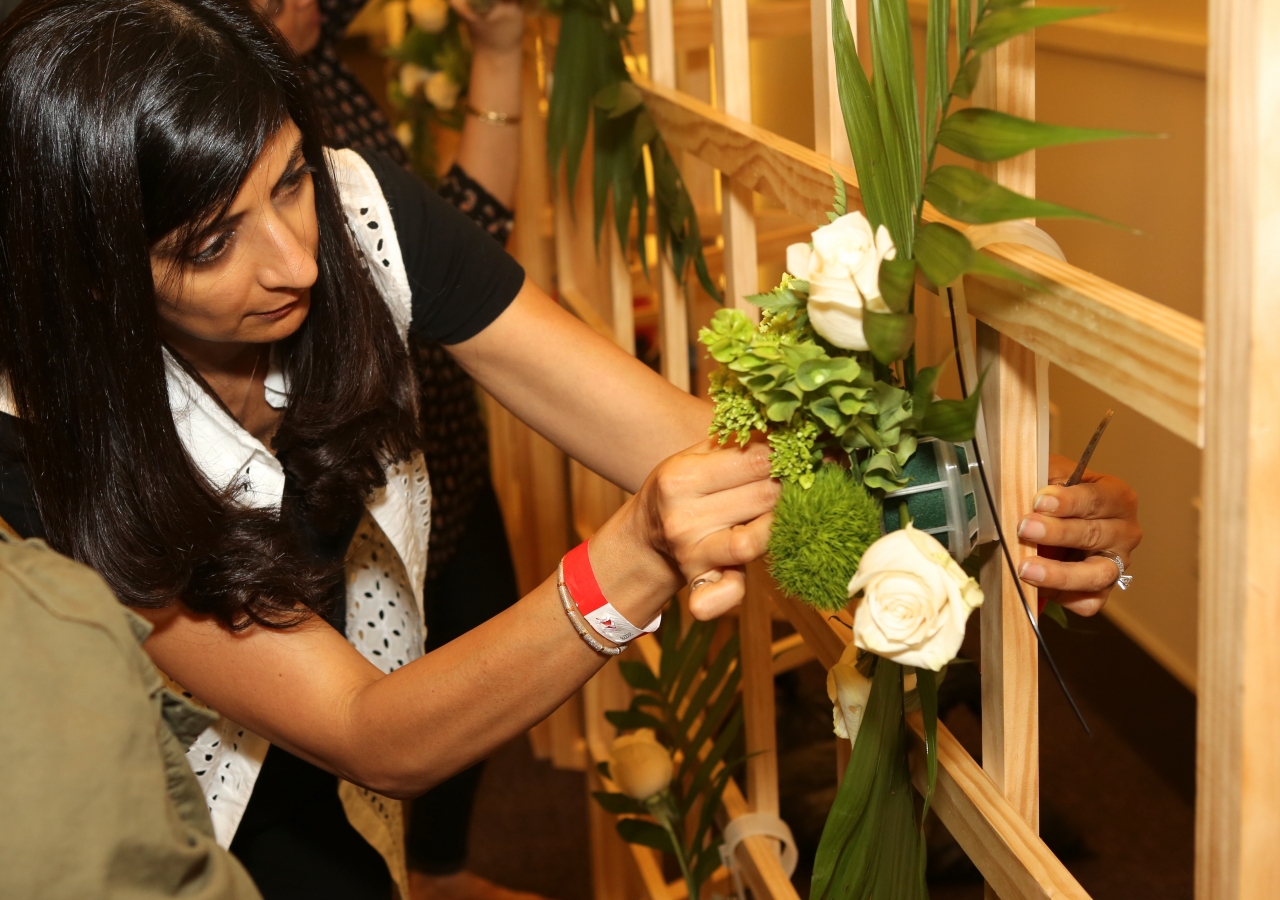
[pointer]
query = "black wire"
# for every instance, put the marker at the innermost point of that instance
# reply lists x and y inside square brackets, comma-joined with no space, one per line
[1004,544]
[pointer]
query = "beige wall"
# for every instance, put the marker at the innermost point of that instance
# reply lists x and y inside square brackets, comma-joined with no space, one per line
[1103,75]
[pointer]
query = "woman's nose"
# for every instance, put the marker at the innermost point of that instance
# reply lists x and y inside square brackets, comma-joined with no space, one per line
[290,262]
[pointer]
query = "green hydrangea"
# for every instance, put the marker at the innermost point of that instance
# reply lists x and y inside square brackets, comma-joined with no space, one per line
[736,414]
[819,536]
[794,452]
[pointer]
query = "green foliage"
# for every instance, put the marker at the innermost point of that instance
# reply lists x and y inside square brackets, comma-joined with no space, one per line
[871,846]
[971,197]
[779,378]
[692,705]
[1055,612]
[819,536]
[987,135]
[591,84]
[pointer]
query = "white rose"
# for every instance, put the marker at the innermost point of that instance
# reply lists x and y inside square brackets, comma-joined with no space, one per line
[849,691]
[640,765]
[843,271]
[429,15]
[442,91]
[412,79]
[915,600]
[395,17]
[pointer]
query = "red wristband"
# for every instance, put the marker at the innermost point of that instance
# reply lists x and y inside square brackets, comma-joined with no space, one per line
[585,590]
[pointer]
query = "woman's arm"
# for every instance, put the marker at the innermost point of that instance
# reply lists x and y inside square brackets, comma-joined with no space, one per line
[306,689]
[490,152]
[599,404]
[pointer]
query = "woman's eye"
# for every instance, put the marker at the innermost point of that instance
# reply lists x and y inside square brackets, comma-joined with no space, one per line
[213,249]
[294,179]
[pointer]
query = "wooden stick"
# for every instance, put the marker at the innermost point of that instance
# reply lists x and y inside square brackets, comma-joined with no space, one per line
[733,84]
[1238,791]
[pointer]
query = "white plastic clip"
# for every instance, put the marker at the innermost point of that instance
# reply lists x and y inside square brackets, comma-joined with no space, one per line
[757,825]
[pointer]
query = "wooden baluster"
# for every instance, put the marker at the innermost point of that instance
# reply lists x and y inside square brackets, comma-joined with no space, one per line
[673,311]
[829,135]
[1238,795]
[1010,703]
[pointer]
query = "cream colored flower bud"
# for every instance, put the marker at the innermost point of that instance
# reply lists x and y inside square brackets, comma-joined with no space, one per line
[395,16]
[404,134]
[413,78]
[641,766]
[429,15]
[442,91]
[915,600]
[849,691]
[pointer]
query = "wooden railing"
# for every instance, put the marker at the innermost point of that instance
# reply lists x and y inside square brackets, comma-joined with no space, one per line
[1133,348]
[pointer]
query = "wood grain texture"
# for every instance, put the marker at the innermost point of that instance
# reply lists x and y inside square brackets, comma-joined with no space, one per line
[755,629]
[1133,348]
[1010,657]
[673,310]
[1010,671]
[1008,853]
[829,136]
[733,86]
[1238,794]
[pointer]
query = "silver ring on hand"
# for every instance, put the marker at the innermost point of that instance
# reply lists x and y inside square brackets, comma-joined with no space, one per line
[697,583]
[1122,580]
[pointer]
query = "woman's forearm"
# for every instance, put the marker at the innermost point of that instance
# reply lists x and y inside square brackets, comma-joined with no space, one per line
[489,151]
[308,690]
[600,405]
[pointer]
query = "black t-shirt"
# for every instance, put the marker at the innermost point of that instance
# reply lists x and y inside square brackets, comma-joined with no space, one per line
[461,280]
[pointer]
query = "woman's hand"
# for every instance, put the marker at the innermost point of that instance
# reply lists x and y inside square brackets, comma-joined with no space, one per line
[498,30]
[703,513]
[1100,513]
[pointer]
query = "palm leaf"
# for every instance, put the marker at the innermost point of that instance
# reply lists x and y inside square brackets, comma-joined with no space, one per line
[894,85]
[998,27]
[858,107]
[964,22]
[935,79]
[645,833]
[990,136]
[968,196]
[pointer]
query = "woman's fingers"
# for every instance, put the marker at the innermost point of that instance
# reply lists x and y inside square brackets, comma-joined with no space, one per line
[716,592]
[707,469]
[1101,497]
[1091,575]
[734,546]
[1082,534]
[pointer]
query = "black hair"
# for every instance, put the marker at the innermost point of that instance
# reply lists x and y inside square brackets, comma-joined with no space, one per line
[124,123]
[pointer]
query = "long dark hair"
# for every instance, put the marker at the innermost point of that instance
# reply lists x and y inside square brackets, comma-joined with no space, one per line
[123,122]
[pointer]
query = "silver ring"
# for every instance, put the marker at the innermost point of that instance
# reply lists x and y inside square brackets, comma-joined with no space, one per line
[1122,580]
[697,583]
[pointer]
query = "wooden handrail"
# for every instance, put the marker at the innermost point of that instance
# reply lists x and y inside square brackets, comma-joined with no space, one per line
[1133,348]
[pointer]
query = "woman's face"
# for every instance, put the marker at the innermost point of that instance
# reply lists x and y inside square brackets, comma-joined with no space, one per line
[249,277]
[298,21]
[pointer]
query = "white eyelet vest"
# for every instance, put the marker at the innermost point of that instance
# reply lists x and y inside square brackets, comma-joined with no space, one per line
[388,557]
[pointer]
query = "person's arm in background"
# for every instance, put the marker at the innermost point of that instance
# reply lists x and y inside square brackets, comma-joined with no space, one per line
[490,152]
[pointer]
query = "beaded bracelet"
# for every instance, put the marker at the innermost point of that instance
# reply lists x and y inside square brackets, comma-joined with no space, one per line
[576,619]
[489,117]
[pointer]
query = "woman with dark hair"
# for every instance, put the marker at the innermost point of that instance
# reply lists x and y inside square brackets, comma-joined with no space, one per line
[203,316]
[470,575]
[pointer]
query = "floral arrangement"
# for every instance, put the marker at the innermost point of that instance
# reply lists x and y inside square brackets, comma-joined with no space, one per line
[829,374]
[671,769]
[427,41]
[591,85]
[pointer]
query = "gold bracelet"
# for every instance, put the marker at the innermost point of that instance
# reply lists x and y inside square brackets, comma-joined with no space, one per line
[490,117]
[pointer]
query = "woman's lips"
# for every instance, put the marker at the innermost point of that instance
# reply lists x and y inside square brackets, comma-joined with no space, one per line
[280,313]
